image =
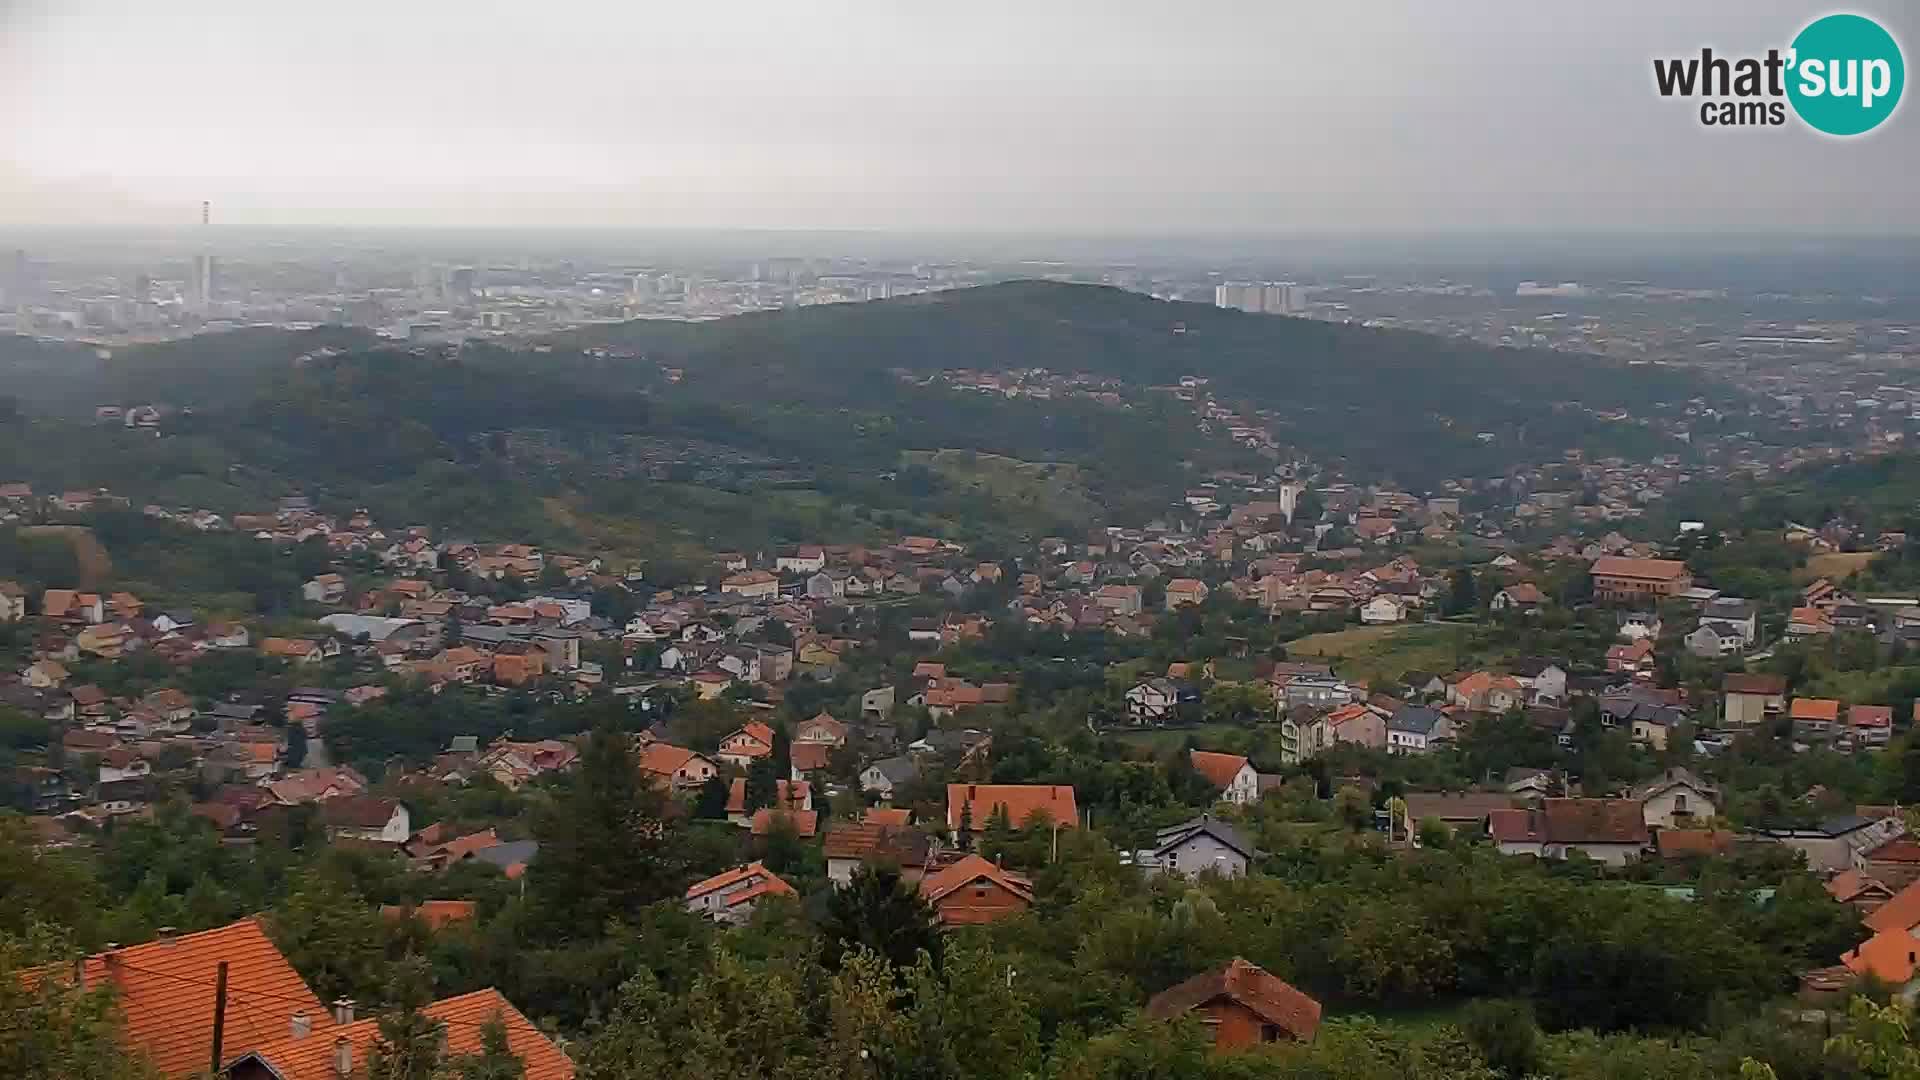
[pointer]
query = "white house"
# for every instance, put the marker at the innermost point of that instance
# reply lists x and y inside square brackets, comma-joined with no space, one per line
[730,897]
[1712,640]
[804,560]
[1236,778]
[1153,700]
[1200,846]
[1677,800]
[1383,608]
[1416,729]
[887,774]
[365,817]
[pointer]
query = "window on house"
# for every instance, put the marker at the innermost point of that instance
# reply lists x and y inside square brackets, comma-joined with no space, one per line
[1269,1033]
[979,892]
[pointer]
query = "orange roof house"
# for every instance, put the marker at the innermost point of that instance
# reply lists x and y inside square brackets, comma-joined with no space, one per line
[434,913]
[1861,890]
[1244,1005]
[1814,710]
[165,991]
[974,891]
[978,802]
[1616,577]
[1889,956]
[805,823]
[1901,912]
[1219,769]
[318,1055]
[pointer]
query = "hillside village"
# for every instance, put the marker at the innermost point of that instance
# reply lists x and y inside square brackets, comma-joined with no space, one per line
[848,709]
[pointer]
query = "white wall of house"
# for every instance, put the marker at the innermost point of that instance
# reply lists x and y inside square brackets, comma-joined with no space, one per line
[1678,807]
[1198,854]
[1245,788]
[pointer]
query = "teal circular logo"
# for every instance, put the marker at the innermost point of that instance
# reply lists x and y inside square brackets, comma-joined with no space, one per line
[1846,74]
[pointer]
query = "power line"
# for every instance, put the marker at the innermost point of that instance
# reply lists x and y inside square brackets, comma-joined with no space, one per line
[262,994]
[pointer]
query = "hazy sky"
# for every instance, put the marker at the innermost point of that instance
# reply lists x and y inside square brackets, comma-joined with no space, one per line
[1109,115]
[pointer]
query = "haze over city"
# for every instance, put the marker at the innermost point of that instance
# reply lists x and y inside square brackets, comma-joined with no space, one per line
[998,116]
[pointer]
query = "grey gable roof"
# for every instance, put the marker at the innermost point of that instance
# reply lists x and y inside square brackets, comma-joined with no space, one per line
[1417,719]
[1175,835]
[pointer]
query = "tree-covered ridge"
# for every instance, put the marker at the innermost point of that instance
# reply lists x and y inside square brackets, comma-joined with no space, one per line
[1388,400]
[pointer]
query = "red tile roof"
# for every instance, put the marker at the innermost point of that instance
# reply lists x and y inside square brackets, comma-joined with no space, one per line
[805,822]
[311,1058]
[434,913]
[770,881]
[1571,821]
[1219,769]
[1901,912]
[872,839]
[1889,956]
[1647,569]
[1850,885]
[165,990]
[1814,709]
[940,884]
[810,757]
[1266,995]
[1021,801]
[792,794]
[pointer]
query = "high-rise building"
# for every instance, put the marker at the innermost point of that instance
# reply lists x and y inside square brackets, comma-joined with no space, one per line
[1239,295]
[1269,298]
[202,285]
[460,285]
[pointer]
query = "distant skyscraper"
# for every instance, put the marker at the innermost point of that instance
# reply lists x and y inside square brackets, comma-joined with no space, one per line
[200,284]
[201,288]
[460,285]
[1270,298]
[22,281]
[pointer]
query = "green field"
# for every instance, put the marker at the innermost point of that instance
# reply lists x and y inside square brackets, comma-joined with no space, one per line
[1160,741]
[1381,654]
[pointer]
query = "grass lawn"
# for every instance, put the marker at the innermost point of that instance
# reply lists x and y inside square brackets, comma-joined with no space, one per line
[1160,741]
[1383,653]
[1834,565]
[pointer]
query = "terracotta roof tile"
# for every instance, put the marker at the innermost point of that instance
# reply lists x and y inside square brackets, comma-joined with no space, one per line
[165,991]
[311,1058]
[1271,998]
[1219,769]
[1021,801]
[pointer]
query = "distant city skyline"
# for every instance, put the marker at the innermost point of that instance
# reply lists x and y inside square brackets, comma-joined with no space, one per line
[1217,117]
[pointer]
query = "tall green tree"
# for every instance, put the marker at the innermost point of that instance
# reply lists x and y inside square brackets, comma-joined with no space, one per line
[763,784]
[607,846]
[881,911]
[409,1044]
[50,1029]
[712,803]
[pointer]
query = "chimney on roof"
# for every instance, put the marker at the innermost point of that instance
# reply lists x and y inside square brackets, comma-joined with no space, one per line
[343,1010]
[342,1056]
[972,790]
[300,1025]
[168,934]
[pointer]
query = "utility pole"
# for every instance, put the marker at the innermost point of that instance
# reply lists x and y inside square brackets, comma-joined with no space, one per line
[219,1014]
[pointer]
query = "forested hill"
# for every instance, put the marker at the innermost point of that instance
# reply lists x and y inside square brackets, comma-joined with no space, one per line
[1112,332]
[1388,400]
[208,370]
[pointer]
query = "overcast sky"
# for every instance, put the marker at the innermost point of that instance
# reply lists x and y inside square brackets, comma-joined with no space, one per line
[1076,115]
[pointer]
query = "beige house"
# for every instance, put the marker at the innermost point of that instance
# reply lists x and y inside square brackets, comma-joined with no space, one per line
[1753,699]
